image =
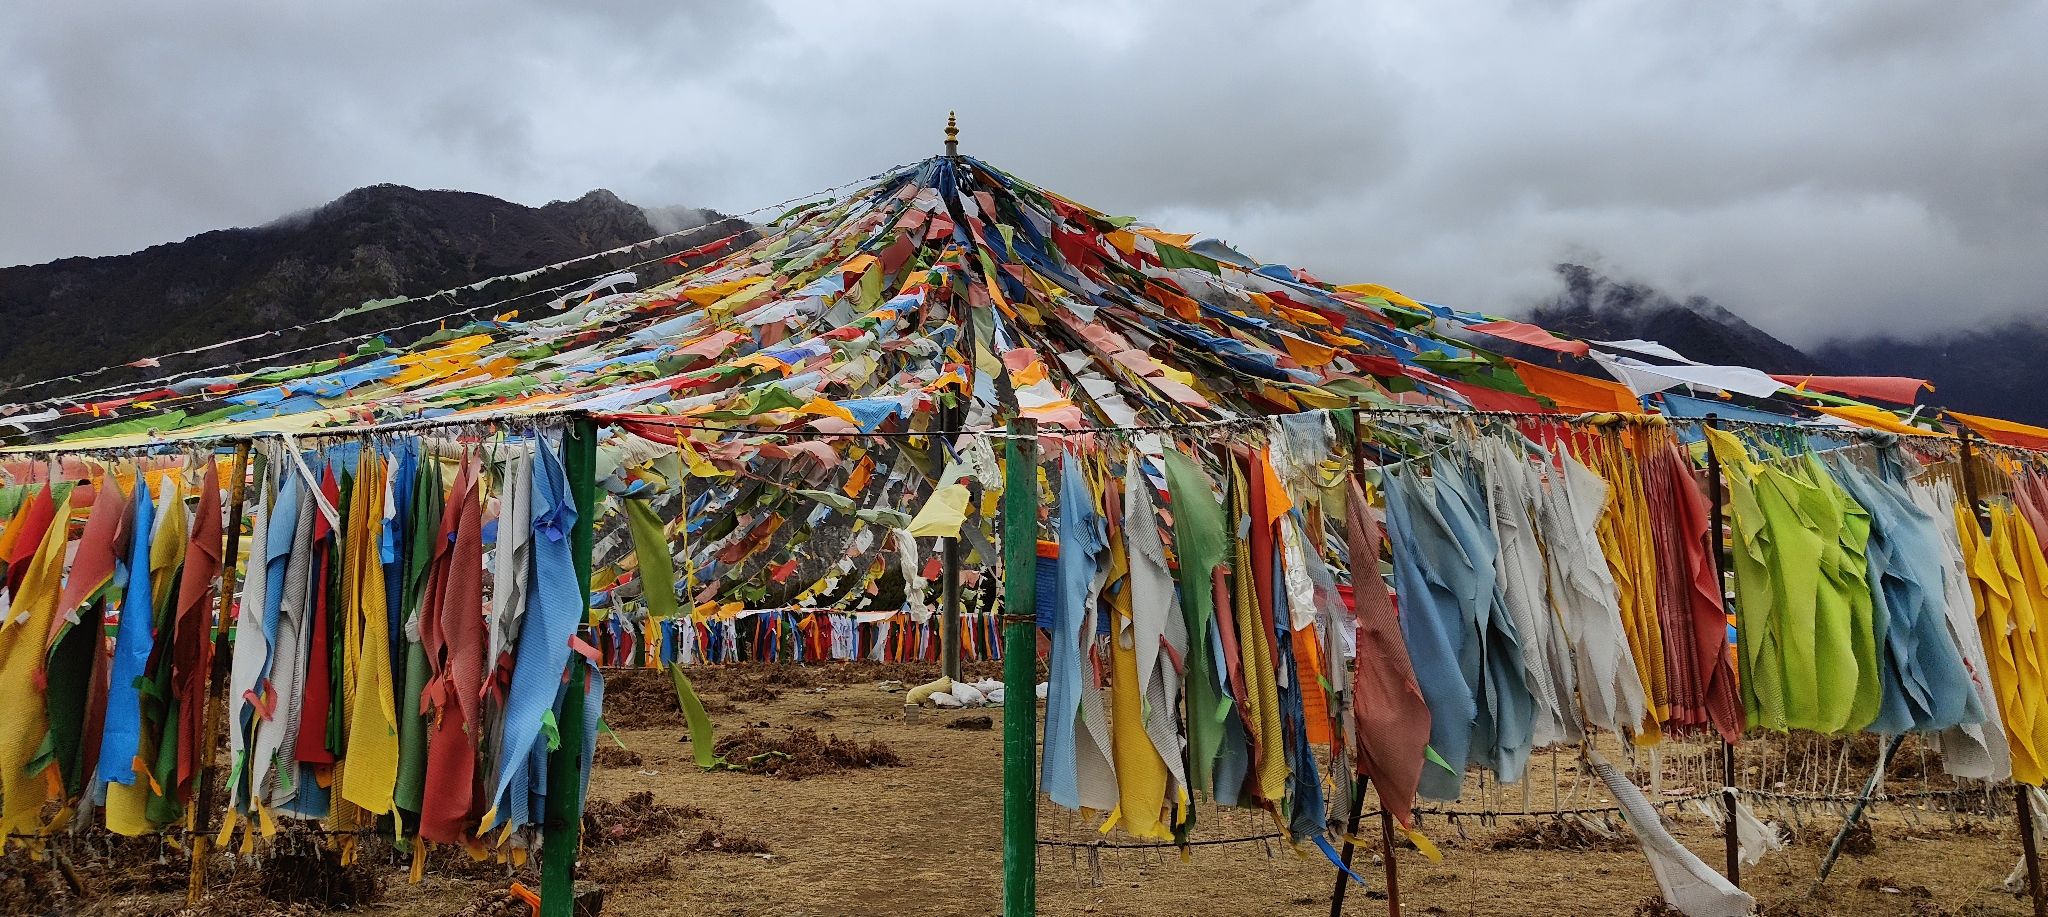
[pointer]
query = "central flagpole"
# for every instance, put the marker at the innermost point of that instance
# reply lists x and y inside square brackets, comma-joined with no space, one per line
[949,424]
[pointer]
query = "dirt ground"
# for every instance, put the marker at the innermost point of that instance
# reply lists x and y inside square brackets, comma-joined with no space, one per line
[923,837]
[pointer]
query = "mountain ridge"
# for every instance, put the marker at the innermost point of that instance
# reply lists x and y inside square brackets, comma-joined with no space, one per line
[381,241]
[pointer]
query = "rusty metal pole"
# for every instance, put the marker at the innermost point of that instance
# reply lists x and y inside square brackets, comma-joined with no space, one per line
[217,679]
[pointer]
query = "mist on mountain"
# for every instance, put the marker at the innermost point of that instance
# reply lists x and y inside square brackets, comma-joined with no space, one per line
[1594,307]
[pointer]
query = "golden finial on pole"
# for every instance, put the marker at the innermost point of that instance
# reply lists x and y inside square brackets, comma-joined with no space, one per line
[952,135]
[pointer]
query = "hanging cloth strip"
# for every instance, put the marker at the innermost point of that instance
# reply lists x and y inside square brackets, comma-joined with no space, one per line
[1158,632]
[133,640]
[423,549]
[1501,731]
[38,556]
[1079,772]
[2008,576]
[78,677]
[1512,487]
[1199,540]
[554,608]
[1975,750]
[372,770]
[1431,575]
[1588,602]
[1627,541]
[1809,653]
[276,776]
[1689,605]
[1141,776]
[193,651]
[1252,580]
[1394,721]
[1926,687]
[166,556]
[250,655]
[453,803]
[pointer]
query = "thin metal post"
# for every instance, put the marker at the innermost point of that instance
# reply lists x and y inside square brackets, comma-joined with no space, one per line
[562,833]
[217,679]
[1719,537]
[1020,670]
[1862,802]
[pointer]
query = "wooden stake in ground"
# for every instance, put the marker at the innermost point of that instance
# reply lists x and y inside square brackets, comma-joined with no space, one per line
[1020,669]
[217,680]
[1350,839]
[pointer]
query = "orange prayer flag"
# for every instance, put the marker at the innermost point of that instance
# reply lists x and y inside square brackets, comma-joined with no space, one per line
[1864,415]
[2004,431]
[859,478]
[1572,392]
[1307,353]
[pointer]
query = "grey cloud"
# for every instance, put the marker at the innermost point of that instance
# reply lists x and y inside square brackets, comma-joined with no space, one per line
[1822,168]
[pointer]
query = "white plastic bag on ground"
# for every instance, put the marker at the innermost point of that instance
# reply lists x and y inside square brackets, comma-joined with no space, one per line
[945,700]
[968,695]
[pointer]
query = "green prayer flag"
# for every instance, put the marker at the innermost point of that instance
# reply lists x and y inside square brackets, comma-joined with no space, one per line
[1171,258]
[657,569]
[693,713]
[1199,538]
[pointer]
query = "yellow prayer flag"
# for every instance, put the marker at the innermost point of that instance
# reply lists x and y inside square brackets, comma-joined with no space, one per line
[943,514]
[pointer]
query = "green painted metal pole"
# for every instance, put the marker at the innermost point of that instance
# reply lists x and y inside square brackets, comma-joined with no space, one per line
[1020,670]
[562,834]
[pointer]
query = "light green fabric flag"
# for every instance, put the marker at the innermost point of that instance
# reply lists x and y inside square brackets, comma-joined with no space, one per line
[657,569]
[700,722]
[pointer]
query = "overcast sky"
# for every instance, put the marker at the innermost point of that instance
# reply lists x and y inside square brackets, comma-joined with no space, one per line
[1820,168]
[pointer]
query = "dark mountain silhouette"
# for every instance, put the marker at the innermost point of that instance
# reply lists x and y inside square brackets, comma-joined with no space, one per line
[1595,307]
[1998,371]
[379,242]
[2001,371]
